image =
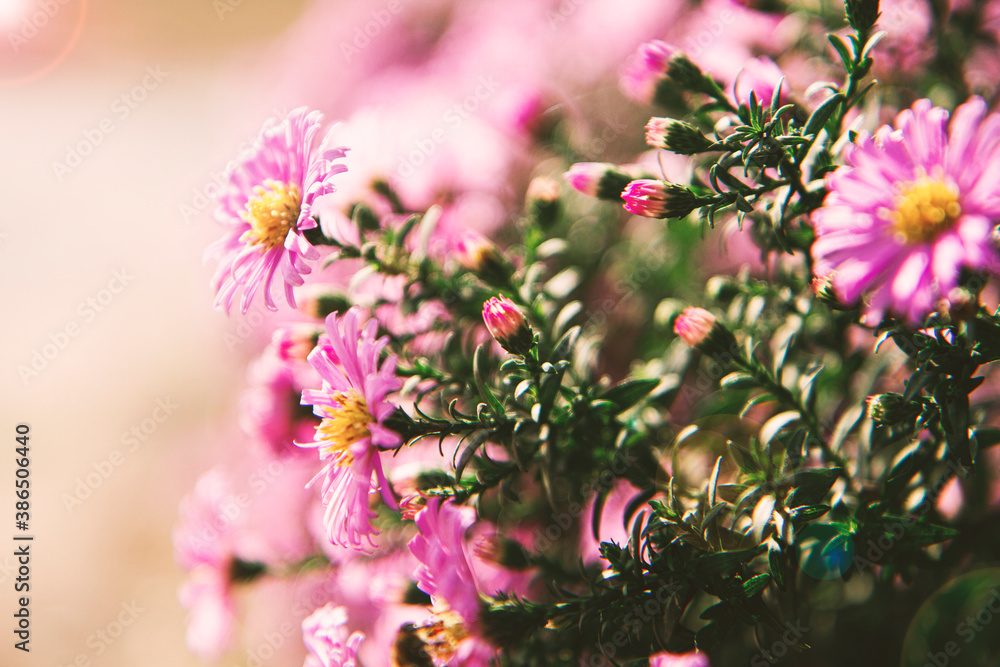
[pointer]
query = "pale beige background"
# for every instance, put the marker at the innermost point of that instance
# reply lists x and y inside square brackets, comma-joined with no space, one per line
[61,242]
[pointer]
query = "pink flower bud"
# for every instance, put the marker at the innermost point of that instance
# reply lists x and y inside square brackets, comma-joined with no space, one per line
[506,323]
[694,326]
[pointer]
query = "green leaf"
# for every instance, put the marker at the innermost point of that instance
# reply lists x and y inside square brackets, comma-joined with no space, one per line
[756,585]
[738,380]
[759,398]
[630,392]
[743,458]
[478,364]
[811,486]
[817,121]
[773,426]
[808,512]
[844,50]
[723,563]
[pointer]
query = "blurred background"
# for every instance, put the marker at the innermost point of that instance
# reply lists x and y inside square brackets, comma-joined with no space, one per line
[116,116]
[119,118]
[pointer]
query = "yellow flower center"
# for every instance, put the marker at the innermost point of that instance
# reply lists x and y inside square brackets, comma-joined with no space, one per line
[270,214]
[344,425]
[924,209]
[436,641]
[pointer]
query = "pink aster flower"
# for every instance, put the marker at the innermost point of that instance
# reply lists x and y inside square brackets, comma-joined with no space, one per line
[652,198]
[325,636]
[445,573]
[352,435]
[912,206]
[204,546]
[267,204]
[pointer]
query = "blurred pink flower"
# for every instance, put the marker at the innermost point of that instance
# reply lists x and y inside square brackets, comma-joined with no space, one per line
[911,207]
[646,69]
[266,205]
[325,636]
[203,546]
[353,406]
[690,659]
[445,573]
[760,77]
[269,409]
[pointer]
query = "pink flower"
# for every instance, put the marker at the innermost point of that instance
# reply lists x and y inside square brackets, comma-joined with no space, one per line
[325,636]
[646,69]
[352,435]
[203,546]
[269,409]
[694,325]
[445,573]
[690,659]
[759,76]
[506,324]
[267,205]
[911,208]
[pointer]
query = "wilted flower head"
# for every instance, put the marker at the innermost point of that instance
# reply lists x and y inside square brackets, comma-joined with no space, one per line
[324,634]
[912,206]
[267,206]
[352,435]
[506,323]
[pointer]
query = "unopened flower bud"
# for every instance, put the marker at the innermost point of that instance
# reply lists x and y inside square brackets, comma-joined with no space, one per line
[862,14]
[889,409]
[598,179]
[676,136]
[503,551]
[701,330]
[319,303]
[506,323]
[294,342]
[478,254]
[647,69]
[542,200]
[960,305]
[658,199]
[822,287]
